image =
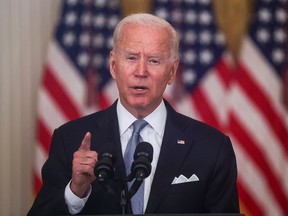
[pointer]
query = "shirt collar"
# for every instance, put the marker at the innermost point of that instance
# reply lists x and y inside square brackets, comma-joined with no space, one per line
[156,119]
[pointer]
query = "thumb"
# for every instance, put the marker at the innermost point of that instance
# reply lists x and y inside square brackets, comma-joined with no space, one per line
[86,142]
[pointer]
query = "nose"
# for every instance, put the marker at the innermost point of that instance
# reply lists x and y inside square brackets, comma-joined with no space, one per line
[141,69]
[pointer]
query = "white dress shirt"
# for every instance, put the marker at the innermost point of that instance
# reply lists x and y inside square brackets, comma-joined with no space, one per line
[152,133]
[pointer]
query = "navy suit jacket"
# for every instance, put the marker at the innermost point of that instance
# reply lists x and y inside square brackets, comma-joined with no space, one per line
[207,153]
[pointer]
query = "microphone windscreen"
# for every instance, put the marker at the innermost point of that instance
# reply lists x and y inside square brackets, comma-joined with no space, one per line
[104,167]
[144,149]
[106,150]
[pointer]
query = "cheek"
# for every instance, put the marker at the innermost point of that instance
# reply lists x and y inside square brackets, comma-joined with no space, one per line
[121,76]
[160,83]
[167,78]
[118,71]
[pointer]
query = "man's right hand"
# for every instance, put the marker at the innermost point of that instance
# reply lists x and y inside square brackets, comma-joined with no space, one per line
[84,161]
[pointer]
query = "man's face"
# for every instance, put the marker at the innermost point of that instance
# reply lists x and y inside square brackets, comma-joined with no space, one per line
[142,68]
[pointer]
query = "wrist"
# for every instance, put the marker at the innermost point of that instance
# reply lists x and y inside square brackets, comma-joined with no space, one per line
[79,190]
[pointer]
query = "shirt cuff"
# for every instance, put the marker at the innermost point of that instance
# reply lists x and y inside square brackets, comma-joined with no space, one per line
[74,203]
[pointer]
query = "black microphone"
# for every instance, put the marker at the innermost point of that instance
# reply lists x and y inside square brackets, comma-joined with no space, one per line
[141,166]
[143,156]
[104,168]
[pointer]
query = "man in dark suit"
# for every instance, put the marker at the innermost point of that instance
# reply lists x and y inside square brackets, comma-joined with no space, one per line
[194,166]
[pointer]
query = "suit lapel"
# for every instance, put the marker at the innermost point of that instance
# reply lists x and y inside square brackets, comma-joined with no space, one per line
[175,146]
[109,135]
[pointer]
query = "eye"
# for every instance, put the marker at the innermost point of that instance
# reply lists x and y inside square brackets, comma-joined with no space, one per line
[154,61]
[131,58]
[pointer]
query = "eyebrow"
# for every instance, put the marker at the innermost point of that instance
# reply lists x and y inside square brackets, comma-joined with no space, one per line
[160,56]
[130,53]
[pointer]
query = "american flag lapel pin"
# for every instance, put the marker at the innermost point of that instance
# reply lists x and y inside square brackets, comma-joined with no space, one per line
[181,142]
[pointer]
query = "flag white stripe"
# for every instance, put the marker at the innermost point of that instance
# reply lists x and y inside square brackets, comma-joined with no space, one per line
[186,106]
[71,82]
[254,182]
[216,94]
[48,108]
[41,156]
[263,74]
[258,129]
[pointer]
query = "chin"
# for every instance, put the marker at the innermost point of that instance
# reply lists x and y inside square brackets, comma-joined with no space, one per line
[139,104]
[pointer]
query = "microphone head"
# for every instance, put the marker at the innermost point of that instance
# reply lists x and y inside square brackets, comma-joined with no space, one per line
[144,149]
[143,156]
[107,151]
[104,168]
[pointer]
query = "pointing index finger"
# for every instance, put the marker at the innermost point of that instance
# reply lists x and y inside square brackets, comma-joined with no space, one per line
[86,142]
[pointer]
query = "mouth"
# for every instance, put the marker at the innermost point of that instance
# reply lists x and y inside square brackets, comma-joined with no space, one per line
[139,88]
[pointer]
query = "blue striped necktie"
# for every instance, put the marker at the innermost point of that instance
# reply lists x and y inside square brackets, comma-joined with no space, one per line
[137,201]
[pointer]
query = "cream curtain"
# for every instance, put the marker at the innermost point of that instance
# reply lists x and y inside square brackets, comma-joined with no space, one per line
[25,30]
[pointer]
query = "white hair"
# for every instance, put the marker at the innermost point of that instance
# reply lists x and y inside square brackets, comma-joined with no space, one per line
[149,20]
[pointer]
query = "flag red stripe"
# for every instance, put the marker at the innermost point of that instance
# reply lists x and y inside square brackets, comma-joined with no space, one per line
[37,183]
[248,201]
[203,108]
[43,135]
[258,98]
[257,156]
[103,101]
[224,73]
[59,94]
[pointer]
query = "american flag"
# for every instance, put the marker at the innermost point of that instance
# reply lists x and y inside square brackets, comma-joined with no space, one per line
[258,119]
[76,79]
[204,74]
[244,103]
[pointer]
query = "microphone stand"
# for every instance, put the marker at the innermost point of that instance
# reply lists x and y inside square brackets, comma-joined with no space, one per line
[127,195]
[123,196]
[123,201]
[134,188]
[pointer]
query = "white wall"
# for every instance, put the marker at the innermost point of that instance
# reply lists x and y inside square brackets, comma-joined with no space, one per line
[26,27]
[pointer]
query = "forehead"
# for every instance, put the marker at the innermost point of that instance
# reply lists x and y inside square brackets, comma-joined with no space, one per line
[137,37]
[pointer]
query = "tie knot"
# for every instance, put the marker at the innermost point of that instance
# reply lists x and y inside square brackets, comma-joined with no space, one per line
[138,125]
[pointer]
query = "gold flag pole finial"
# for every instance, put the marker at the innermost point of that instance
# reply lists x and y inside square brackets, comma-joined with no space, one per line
[233,18]
[136,6]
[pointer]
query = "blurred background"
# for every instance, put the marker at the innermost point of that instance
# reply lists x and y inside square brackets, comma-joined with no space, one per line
[233,76]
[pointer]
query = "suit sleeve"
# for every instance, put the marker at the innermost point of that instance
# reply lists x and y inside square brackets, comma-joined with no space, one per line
[222,195]
[56,173]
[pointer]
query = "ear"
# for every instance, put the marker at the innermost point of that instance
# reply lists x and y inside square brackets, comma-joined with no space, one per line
[112,64]
[173,71]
